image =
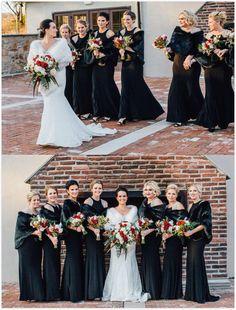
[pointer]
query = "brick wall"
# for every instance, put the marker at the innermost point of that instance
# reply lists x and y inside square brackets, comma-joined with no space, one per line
[209,7]
[132,172]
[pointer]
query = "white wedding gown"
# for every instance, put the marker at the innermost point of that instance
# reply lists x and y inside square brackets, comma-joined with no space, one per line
[123,281]
[60,126]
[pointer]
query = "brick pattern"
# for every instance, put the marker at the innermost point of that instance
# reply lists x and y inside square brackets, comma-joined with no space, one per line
[132,172]
[209,7]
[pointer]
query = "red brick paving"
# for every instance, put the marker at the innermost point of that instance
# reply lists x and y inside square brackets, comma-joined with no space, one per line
[21,126]
[10,296]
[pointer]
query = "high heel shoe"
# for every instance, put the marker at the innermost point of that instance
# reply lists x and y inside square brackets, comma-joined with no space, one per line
[121,121]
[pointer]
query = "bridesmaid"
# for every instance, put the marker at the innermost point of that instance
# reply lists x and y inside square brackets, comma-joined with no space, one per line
[73,273]
[185,98]
[94,260]
[51,260]
[65,32]
[219,100]
[106,97]
[30,252]
[172,265]
[153,209]
[196,282]
[82,83]
[137,101]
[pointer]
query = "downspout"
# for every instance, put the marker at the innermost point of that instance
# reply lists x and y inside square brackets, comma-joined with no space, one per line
[139,14]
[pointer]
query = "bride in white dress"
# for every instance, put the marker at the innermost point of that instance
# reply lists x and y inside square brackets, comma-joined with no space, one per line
[60,126]
[123,281]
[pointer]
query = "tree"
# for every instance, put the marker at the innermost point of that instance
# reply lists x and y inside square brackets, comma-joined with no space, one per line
[17,8]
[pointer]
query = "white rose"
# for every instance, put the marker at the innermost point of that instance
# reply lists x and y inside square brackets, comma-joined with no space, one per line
[53,72]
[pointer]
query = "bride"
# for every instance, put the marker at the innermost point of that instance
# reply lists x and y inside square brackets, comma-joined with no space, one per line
[59,124]
[123,281]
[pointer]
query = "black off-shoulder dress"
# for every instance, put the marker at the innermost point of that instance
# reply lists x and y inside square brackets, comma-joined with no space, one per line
[185,98]
[137,101]
[82,82]
[172,264]
[30,257]
[151,276]
[51,257]
[73,273]
[196,283]
[94,260]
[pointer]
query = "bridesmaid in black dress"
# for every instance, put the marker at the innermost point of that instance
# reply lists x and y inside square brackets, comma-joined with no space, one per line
[30,252]
[65,32]
[218,109]
[73,273]
[105,94]
[185,98]
[196,283]
[51,258]
[94,261]
[82,82]
[137,101]
[172,264]
[153,209]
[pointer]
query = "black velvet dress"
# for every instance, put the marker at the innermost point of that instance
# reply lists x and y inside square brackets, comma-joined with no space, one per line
[218,109]
[73,273]
[30,257]
[82,82]
[137,101]
[69,82]
[172,264]
[51,257]
[150,262]
[94,261]
[185,98]
[196,283]
[105,94]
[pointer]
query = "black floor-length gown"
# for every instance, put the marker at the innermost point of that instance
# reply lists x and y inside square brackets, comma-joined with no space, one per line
[137,101]
[185,98]
[94,260]
[218,108]
[196,282]
[82,82]
[73,273]
[30,257]
[105,94]
[172,263]
[51,257]
[151,276]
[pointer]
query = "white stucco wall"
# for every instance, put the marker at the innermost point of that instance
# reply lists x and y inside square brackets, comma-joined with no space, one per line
[15,169]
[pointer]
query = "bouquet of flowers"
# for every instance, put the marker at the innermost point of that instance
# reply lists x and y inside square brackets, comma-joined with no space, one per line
[42,70]
[97,221]
[160,42]
[94,44]
[75,57]
[182,226]
[214,42]
[122,236]
[54,230]
[122,43]
[230,38]
[165,226]
[76,220]
[40,223]
[143,224]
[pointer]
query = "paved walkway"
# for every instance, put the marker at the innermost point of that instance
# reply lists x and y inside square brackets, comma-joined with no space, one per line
[21,114]
[10,296]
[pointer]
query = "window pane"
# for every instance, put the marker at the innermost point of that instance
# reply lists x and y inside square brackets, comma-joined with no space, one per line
[94,21]
[79,16]
[117,20]
[62,19]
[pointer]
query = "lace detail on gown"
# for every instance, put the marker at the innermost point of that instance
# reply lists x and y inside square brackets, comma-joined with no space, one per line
[60,126]
[123,281]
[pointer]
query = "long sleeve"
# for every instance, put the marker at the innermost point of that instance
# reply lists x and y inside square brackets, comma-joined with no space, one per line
[138,45]
[23,229]
[33,51]
[64,54]
[205,219]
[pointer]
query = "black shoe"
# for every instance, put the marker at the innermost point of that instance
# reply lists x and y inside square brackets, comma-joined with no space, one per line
[211,129]
[121,121]
[213,298]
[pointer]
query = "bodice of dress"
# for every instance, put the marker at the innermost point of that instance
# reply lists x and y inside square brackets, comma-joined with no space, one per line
[185,43]
[59,50]
[54,216]
[175,215]
[69,209]
[152,211]
[94,208]
[80,45]
[23,228]
[200,213]
[115,217]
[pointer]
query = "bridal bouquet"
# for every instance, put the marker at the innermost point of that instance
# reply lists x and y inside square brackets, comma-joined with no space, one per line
[98,222]
[40,223]
[122,236]
[165,226]
[160,42]
[182,226]
[94,44]
[76,220]
[122,43]
[143,224]
[42,70]
[54,230]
